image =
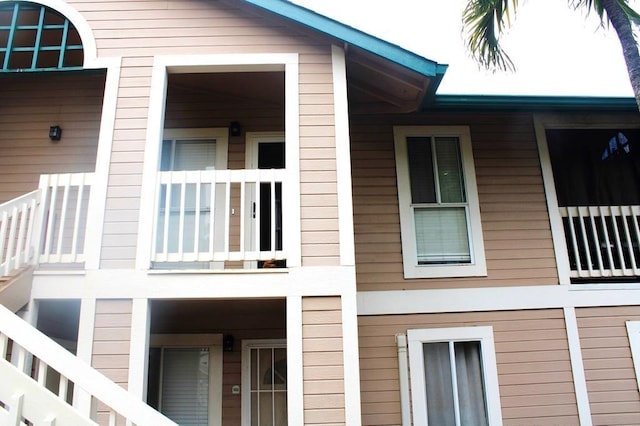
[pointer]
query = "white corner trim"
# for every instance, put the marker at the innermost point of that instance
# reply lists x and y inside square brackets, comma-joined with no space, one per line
[295,380]
[557,229]
[98,199]
[351,358]
[139,348]
[343,156]
[633,332]
[403,367]
[577,367]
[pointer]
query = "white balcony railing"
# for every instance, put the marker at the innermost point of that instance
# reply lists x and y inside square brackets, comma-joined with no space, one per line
[602,241]
[47,225]
[218,216]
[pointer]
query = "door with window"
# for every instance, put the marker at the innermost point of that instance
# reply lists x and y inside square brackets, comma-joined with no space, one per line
[185,378]
[264,383]
[266,151]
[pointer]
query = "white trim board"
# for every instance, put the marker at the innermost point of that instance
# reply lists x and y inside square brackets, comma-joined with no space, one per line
[490,299]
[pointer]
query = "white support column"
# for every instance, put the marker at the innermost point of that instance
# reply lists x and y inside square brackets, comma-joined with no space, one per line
[351,358]
[343,156]
[577,367]
[295,388]
[98,197]
[139,348]
[84,349]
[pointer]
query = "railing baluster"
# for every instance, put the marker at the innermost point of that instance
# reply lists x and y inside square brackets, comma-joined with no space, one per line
[21,231]
[636,232]
[4,259]
[212,216]
[196,223]
[42,372]
[272,184]
[4,346]
[596,239]
[63,215]
[608,245]
[167,215]
[63,387]
[113,417]
[618,242]
[183,198]
[627,237]
[258,216]
[30,250]
[52,188]
[243,201]
[76,222]
[11,242]
[227,215]
[585,241]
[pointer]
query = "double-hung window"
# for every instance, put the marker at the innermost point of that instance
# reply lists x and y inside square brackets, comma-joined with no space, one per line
[439,212]
[454,378]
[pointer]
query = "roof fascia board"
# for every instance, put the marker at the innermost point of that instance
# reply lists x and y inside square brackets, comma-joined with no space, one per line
[352,36]
[475,102]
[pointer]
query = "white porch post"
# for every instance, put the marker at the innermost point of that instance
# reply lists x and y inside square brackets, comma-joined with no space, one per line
[139,348]
[295,388]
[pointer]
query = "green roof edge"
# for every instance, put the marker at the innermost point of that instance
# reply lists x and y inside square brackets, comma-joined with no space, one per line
[474,102]
[352,36]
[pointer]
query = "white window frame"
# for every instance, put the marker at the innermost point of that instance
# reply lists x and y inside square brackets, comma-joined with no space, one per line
[477,266]
[214,343]
[247,345]
[633,331]
[483,334]
[220,135]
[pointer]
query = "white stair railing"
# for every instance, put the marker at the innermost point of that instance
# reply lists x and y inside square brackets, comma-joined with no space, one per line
[215,216]
[63,220]
[25,398]
[17,219]
[602,241]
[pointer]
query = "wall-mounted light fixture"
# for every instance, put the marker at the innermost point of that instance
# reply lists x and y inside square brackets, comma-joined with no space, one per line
[227,343]
[234,128]
[55,133]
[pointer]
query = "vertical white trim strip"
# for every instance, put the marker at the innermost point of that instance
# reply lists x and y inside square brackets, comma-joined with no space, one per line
[295,380]
[351,357]
[557,229]
[403,367]
[343,156]
[577,367]
[84,349]
[98,196]
[291,233]
[139,348]
[633,331]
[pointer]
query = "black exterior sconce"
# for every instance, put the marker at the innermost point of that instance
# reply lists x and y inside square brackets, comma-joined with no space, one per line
[55,133]
[234,128]
[227,343]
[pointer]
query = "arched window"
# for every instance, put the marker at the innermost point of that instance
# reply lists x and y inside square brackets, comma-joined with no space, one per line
[34,37]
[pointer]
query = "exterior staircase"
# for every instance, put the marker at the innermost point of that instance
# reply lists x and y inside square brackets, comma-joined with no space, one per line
[41,383]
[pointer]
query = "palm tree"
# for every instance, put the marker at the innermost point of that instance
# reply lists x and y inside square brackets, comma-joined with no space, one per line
[485,20]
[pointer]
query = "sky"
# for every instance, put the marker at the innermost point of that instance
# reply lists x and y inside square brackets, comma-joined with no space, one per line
[557,51]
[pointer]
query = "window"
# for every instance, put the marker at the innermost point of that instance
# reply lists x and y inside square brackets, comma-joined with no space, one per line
[34,37]
[439,212]
[454,378]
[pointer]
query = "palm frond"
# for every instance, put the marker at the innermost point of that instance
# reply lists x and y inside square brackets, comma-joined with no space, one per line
[483,22]
[597,7]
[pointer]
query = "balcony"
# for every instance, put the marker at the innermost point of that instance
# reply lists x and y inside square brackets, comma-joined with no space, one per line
[219,219]
[602,241]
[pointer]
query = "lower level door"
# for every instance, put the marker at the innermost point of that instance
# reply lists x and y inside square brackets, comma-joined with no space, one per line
[264,395]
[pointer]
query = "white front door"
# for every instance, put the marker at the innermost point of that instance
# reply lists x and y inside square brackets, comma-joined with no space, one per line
[264,383]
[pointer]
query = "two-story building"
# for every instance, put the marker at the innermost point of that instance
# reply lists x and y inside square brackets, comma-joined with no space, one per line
[242,212]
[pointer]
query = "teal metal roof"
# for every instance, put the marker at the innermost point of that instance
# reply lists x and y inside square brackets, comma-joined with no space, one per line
[352,36]
[498,102]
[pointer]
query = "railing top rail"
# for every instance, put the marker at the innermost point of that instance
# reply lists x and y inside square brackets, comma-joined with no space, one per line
[80,373]
[19,200]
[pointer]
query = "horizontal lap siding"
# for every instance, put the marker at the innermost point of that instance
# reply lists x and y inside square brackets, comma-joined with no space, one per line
[139,30]
[29,107]
[611,379]
[534,370]
[323,361]
[515,223]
